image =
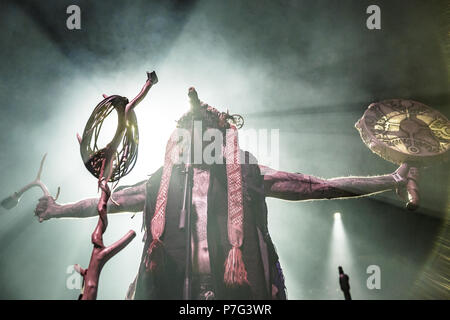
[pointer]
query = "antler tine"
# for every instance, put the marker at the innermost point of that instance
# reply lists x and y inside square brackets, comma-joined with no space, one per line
[57,193]
[41,166]
[39,183]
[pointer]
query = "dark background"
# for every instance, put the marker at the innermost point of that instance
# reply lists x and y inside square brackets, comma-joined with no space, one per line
[307,68]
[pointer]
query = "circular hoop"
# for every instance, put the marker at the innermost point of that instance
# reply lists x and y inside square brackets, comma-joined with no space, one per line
[122,149]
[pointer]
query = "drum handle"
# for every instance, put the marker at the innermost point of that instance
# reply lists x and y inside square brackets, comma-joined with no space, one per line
[413,188]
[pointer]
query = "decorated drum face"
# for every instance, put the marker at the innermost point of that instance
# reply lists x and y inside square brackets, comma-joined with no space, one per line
[405,131]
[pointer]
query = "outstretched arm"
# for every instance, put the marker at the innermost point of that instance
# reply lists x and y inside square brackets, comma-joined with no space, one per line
[297,187]
[130,199]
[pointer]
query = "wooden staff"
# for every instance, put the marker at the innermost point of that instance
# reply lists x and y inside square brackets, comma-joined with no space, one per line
[106,156]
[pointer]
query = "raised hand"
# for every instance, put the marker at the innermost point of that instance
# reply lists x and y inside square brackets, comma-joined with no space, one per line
[46,208]
[401,178]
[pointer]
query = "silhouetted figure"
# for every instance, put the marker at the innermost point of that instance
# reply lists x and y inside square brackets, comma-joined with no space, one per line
[345,284]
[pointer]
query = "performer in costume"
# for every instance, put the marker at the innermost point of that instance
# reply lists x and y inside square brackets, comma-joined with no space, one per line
[233,254]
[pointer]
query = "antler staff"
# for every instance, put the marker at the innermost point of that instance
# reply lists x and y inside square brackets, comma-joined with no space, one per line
[12,201]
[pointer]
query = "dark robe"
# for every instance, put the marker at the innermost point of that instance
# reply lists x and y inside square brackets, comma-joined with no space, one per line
[259,255]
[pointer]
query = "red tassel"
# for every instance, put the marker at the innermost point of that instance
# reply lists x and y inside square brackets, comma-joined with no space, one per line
[235,273]
[155,256]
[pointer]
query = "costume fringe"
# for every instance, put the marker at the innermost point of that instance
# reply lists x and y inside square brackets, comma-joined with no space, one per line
[154,259]
[235,273]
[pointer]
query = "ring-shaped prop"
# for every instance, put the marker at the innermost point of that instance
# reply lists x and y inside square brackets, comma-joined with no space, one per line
[123,148]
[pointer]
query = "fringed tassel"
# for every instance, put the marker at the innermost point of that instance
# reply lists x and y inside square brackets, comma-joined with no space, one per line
[154,259]
[235,273]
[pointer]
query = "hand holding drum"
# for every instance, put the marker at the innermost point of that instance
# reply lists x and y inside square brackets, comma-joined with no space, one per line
[406,131]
